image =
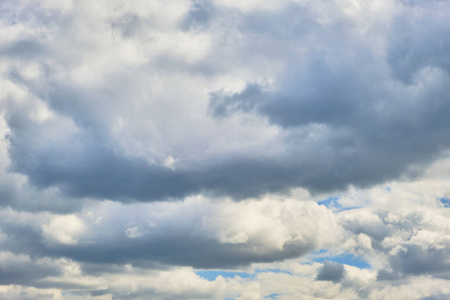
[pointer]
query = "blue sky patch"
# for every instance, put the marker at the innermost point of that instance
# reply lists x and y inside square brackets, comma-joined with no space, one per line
[346,258]
[276,271]
[211,275]
[273,296]
[445,202]
[330,202]
[333,203]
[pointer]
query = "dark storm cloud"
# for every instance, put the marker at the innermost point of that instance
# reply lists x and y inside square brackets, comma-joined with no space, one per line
[331,271]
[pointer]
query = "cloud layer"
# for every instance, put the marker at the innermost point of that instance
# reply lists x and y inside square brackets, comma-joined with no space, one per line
[295,148]
[141,91]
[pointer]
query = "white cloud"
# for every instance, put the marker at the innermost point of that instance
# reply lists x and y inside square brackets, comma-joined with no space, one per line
[63,229]
[147,140]
[133,232]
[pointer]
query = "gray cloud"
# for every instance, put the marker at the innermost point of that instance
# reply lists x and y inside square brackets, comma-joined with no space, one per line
[195,235]
[199,16]
[20,270]
[416,42]
[223,105]
[190,234]
[23,49]
[193,105]
[417,260]
[176,250]
[96,171]
[365,123]
[378,128]
[331,271]
[437,297]
[410,240]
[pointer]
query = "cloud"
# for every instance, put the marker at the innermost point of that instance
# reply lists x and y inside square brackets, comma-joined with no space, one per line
[125,109]
[78,98]
[375,127]
[63,229]
[415,43]
[144,143]
[21,269]
[415,260]
[208,234]
[196,233]
[331,271]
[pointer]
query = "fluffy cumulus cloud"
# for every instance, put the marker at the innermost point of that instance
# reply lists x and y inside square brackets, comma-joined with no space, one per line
[222,149]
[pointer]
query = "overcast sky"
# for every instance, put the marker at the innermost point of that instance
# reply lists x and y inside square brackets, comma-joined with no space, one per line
[224,149]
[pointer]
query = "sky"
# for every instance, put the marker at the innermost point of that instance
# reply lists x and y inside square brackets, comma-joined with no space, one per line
[224,149]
